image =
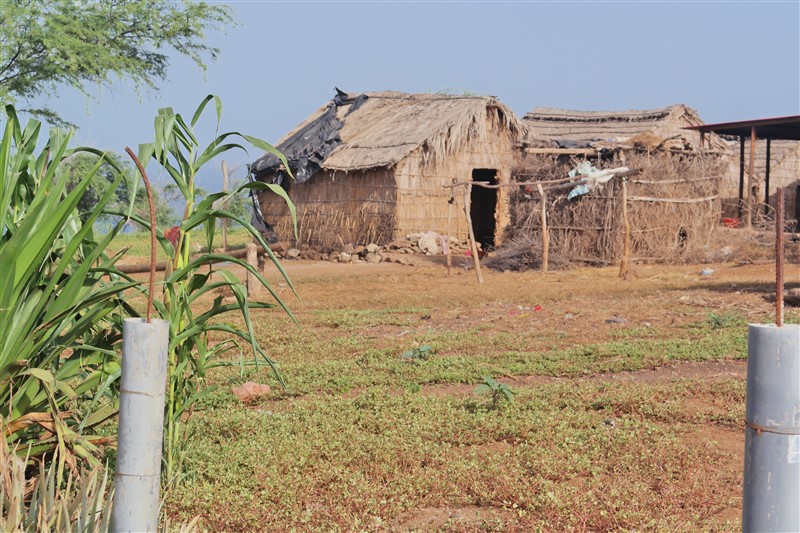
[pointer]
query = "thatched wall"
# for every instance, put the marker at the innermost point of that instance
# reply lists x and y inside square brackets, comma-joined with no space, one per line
[422,195]
[337,207]
[672,208]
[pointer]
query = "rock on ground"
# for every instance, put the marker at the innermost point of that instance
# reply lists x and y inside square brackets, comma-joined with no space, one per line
[250,390]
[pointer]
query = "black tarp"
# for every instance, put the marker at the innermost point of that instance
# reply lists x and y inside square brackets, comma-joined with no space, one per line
[308,148]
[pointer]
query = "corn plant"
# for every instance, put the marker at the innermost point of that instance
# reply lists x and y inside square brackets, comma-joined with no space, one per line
[61,303]
[189,279]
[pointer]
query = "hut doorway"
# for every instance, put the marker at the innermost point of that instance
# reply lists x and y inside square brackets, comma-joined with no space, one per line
[483,206]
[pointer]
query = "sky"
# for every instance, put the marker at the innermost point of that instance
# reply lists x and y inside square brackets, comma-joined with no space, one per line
[728,60]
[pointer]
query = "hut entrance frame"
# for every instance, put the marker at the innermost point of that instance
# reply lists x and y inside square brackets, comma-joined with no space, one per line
[483,206]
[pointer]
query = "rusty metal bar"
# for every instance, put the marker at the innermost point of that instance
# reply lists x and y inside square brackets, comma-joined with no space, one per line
[779,258]
[766,180]
[752,200]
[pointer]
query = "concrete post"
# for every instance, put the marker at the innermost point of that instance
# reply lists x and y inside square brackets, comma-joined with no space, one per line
[772,432]
[141,425]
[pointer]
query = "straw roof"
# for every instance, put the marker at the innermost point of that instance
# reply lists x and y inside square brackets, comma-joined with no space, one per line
[385,127]
[551,124]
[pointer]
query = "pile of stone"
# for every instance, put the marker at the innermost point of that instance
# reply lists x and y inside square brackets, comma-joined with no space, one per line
[426,243]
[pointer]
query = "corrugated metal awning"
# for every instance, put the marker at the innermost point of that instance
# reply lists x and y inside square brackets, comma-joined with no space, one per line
[785,128]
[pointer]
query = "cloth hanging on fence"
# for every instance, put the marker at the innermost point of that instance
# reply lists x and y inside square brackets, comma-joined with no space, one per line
[591,177]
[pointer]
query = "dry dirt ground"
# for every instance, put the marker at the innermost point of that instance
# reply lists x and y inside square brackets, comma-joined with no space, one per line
[538,313]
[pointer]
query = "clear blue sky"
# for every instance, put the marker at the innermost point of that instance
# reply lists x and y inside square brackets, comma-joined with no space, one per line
[728,60]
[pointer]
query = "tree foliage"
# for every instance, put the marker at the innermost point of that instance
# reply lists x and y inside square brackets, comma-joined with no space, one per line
[105,174]
[44,44]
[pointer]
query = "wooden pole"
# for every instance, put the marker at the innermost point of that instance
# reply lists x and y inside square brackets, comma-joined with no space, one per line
[449,229]
[253,285]
[626,243]
[545,233]
[224,220]
[752,198]
[741,178]
[473,246]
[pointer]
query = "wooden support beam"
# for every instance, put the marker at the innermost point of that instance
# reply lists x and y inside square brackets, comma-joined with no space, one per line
[473,246]
[626,242]
[589,152]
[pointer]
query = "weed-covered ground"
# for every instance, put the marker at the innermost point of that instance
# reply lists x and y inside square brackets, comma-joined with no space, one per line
[627,411]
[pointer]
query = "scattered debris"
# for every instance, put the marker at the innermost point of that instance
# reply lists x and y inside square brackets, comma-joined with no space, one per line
[615,320]
[520,254]
[706,271]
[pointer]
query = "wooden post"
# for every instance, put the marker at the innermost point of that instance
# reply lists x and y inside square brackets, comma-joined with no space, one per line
[449,229]
[752,195]
[253,285]
[473,246]
[545,233]
[626,243]
[224,220]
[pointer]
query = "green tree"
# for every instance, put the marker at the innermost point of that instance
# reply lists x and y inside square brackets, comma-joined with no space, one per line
[48,43]
[81,164]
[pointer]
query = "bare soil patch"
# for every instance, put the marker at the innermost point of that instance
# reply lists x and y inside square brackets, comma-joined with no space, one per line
[468,518]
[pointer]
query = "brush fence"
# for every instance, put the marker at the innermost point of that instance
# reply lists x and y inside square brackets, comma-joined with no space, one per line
[673,208]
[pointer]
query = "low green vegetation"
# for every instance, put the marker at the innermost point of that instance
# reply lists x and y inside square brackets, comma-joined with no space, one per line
[382,426]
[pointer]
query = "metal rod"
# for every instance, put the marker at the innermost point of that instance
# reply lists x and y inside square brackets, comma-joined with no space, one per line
[752,199]
[141,425]
[779,258]
[766,180]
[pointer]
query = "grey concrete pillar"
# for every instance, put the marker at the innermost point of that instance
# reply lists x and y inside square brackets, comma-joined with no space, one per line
[141,425]
[772,433]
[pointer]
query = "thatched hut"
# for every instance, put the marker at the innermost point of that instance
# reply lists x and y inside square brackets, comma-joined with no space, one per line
[374,167]
[672,204]
[649,129]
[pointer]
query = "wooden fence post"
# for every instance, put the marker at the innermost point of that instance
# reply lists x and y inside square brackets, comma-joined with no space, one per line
[626,243]
[253,285]
[473,246]
[545,233]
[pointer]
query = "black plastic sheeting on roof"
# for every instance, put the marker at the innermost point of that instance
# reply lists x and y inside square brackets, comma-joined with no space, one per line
[308,148]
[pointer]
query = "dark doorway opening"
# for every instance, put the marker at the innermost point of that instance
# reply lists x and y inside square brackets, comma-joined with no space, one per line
[483,206]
